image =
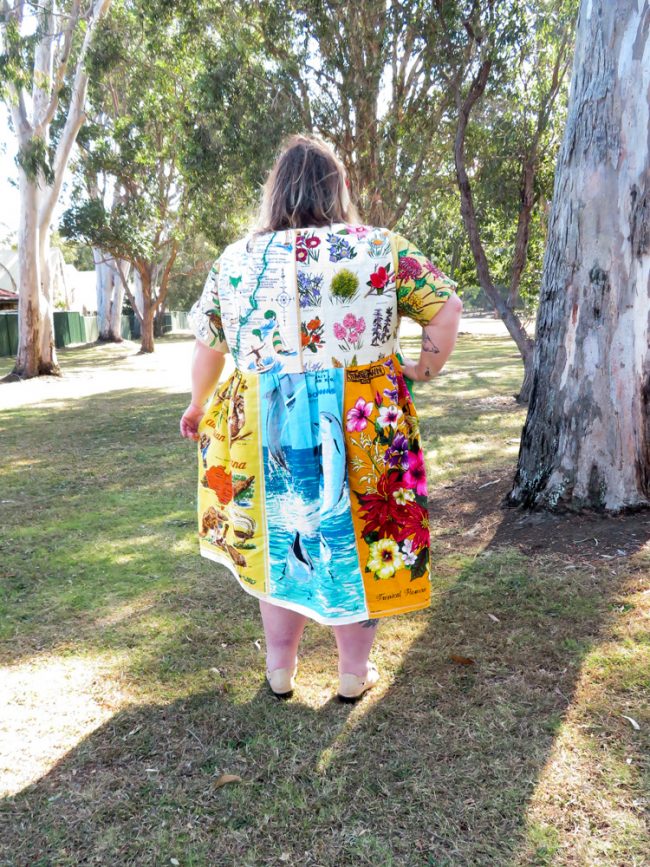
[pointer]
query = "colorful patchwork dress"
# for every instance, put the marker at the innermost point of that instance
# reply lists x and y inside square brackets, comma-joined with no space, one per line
[312,485]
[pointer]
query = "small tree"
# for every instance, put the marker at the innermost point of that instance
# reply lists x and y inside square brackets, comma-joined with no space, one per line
[44,52]
[586,441]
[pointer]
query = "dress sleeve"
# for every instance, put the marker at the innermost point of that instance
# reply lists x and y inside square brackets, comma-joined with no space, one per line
[205,315]
[422,289]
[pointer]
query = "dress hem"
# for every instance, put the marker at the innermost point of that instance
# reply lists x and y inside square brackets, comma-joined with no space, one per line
[296,606]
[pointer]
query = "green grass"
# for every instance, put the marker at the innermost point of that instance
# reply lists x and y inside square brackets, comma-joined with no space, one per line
[522,757]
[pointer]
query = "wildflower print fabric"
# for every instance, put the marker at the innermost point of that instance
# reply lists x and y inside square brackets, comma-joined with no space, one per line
[312,482]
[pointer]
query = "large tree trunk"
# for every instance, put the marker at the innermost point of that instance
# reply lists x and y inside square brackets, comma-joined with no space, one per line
[586,441]
[110,293]
[30,317]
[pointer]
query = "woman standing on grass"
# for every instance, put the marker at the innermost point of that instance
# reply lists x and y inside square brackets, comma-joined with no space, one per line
[312,483]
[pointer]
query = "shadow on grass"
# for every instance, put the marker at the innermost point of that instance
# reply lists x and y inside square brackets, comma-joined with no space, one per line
[438,769]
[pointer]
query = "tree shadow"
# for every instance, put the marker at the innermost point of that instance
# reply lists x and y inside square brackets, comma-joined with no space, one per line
[437,767]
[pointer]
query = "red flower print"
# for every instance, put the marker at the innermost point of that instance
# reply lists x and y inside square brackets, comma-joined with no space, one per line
[379,278]
[312,242]
[221,483]
[380,511]
[313,324]
[409,268]
[414,521]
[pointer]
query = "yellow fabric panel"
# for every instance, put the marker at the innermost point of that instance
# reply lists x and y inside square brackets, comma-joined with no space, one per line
[422,288]
[387,489]
[231,516]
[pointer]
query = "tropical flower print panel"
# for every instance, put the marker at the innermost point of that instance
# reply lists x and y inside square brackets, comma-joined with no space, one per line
[388,484]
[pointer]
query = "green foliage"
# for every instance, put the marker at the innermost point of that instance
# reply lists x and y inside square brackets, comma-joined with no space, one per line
[344,284]
[34,159]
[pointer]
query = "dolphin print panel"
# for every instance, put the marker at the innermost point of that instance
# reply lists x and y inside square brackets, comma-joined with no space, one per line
[312,478]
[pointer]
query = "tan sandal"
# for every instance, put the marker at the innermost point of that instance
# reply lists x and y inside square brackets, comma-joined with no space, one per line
[282,681]
[352,687]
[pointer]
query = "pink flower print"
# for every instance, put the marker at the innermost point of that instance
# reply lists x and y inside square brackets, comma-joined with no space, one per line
[430,268]
[357,417]
[358,231]
[409,268]
[416,477]
[348,332]
[378,398]
[389,416]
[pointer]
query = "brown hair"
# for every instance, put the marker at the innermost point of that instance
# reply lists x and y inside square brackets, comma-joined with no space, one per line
[307,186]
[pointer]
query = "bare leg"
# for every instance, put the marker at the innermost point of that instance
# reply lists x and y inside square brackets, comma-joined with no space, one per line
[354,641]
[283,630]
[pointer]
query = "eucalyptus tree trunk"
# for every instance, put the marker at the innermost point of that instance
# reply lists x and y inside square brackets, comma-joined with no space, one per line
[39,183]
[109,285]
[586,440]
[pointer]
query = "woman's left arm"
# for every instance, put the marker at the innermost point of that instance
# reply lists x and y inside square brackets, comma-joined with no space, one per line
[438,341]
[207,366]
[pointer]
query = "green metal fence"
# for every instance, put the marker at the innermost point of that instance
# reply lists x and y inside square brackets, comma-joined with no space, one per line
[74,328]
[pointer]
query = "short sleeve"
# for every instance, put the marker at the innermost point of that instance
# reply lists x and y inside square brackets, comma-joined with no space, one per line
[205,315]
[422,289]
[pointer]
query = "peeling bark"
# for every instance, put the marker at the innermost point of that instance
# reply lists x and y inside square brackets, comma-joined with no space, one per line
[586,440]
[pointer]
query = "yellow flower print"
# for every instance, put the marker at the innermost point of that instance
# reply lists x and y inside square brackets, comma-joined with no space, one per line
[385,558]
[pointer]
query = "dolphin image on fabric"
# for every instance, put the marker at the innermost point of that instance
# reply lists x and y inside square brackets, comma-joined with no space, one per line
[299,565]
[332,461]
[280,398]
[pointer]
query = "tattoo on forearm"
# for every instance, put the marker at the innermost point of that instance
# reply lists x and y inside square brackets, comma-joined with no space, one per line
[428,345]
[427,373]
[370,623]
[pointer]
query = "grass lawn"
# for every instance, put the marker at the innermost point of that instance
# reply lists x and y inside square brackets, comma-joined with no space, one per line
[511,725]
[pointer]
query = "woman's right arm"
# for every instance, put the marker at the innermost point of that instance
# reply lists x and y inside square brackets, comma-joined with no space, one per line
[207,366]
[438,341]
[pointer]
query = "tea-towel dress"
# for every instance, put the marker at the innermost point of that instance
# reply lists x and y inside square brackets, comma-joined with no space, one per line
[312,483]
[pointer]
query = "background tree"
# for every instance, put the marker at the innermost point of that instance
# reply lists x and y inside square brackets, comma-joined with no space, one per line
[586,441]
[178,141]
[522,55]
[44,52]
[392,85]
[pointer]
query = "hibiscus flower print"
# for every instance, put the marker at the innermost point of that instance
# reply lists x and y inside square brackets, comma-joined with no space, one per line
[389,416]
[416,477]
[349,332]
[357,417]
[385,558]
